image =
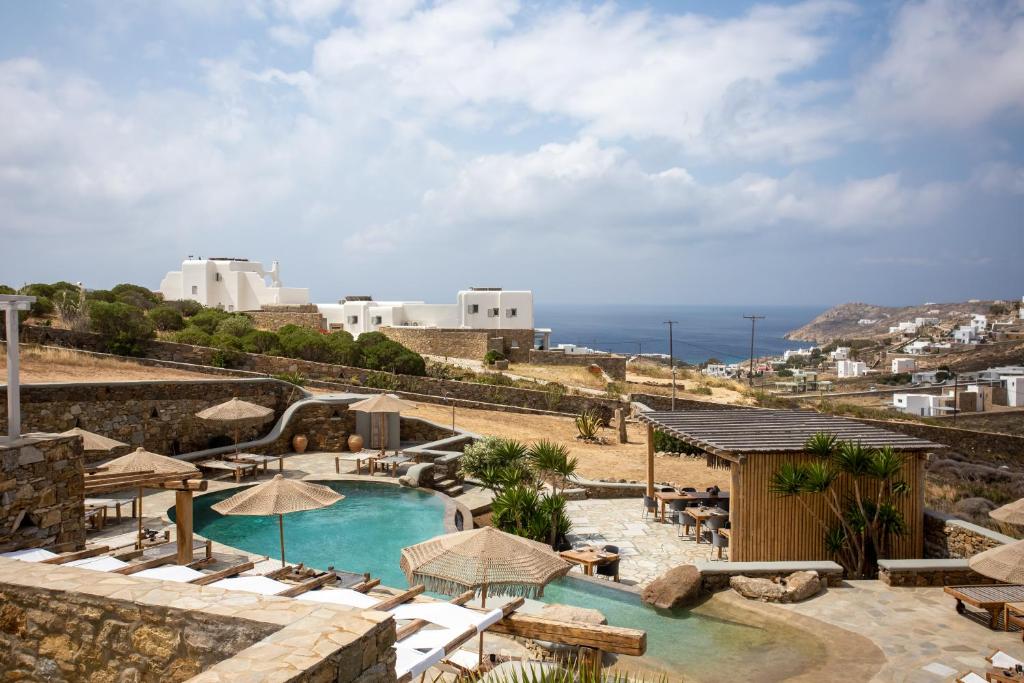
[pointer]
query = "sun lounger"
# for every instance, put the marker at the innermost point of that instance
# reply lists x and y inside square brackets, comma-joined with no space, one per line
[992,598]
[448,616]
[173,572]
[98,564]
[411,662]
[971,677]
[1001,660]
[252,584]
[341,596]
[30,555]
[237,468]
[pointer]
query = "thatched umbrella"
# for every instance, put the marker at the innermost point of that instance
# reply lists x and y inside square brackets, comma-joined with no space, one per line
[1003,563]
[484,559]
[238,413]
[279,496]
[1011,513]
[91,441]
[141,460]
[383,404]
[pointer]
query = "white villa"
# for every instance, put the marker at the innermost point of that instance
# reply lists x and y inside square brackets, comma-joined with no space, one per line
[851,368]
[841,353]
[234,284]
[718,370]
[905,327]
[923,405]
[804,353]
[918,347]
[475,309]
[900,365]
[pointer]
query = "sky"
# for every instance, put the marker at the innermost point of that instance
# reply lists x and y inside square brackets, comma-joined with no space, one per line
[666,152]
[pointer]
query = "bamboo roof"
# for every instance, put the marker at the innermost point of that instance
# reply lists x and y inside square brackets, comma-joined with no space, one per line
[741,431]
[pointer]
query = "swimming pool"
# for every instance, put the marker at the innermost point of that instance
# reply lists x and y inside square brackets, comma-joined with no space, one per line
[368,529]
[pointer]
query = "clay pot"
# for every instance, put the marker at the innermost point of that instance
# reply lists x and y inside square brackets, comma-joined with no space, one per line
[355,443]
[299,443]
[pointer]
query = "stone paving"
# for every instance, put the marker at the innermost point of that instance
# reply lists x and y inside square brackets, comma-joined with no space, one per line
[647,547]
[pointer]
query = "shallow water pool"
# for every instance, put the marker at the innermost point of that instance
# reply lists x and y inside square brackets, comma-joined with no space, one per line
[367,530]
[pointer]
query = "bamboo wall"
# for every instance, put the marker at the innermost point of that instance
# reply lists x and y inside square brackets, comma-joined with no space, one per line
[766,527]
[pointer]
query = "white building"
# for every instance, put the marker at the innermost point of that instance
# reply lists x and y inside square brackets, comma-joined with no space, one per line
[905,327]
[841,353]
[965,334]
[1014,390]
[924,405]
[918,347]
[979,323]
[475,309]
[718,370]
[903,365]
[804,353]
[851,368]
[868,321]
[230,283]
[925,322]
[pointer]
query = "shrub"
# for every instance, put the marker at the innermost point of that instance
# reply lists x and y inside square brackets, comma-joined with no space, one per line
[41,307]
[166,319]
[101,295]
[306,344]
[261,341]
[136,295]
[237,325]
[492,453]
[702,390]
[192,335]
[666,443]
[381,380]
[588,425]
[228,352]
[186,307]
[553,395]
[208,319]
[125,329]
[377,352]
[291,377]
[491,356]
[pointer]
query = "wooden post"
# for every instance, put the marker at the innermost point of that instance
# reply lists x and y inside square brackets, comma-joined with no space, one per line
[650,460]
[589,662]
[183,525]
[620,421]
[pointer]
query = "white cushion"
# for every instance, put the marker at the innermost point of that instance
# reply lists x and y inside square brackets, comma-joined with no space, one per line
[448,615]
[414,662]
[1001,660]
[98,564]
[340,596]
[252,584]
[170,572]
[30,555]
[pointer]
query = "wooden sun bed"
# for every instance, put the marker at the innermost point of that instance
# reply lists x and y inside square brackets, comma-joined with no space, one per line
[991,598]
[114,503]
[237,468]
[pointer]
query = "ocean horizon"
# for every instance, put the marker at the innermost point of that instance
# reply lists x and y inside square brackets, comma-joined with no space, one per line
[703,332]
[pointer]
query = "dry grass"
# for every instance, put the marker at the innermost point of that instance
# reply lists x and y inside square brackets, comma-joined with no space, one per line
[67,365]
[569,375]
[610,461]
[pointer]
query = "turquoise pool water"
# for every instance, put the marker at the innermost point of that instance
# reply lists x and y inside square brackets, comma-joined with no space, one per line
[368,529]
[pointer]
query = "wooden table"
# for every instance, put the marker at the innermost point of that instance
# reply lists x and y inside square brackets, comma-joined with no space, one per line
[588,559]
[701,514]
[393,461]
[666,496]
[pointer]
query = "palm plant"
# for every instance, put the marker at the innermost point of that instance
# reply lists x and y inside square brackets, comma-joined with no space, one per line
[555,467]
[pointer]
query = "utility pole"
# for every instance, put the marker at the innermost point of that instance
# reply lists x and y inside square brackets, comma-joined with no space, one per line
[672,360]
[753,322]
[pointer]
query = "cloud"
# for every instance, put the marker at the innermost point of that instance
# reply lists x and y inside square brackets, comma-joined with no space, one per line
[949,64]
[999,177]
[288,36]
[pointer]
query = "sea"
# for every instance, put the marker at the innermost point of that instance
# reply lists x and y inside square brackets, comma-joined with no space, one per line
[702,332]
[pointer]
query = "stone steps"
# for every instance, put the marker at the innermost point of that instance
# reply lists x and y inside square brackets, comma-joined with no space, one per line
[449,487]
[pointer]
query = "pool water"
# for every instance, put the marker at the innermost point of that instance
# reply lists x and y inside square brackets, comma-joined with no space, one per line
[367,530]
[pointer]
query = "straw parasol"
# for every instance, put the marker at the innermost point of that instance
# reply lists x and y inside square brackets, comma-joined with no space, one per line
[237,412]
[484,559]
[141,460]
[279,496]
[1003,563]
[1011,513]
[382,404]
[91,441]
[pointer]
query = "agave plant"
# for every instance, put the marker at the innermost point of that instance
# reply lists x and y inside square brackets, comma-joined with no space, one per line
[589,424]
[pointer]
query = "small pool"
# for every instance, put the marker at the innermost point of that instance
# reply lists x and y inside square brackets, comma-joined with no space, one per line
[368,529]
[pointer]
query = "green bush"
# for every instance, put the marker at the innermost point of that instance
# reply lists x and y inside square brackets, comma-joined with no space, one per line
[192,335]
[186,307]
[237,325]
[208,319]
[261,341]
[228,352]
[125,329]
[4,289]
[166,319]
[128,293]
[291,377]
[491,356]
[377,352]
[381,380]
[304,343]
[492,453]
[101,295]
[666,443]
[588,424]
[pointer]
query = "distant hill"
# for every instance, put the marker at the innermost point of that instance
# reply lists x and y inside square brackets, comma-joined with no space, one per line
[843,321]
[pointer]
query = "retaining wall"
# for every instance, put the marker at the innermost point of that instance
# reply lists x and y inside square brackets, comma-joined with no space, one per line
[614,366]
[459,343]
[987,446]
[946,537]
[662,403]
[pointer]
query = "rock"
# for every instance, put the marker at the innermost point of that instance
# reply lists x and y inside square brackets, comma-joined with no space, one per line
[678,587]
[751,588]
[570,614]
[802,585]
[973,507]
[155,641]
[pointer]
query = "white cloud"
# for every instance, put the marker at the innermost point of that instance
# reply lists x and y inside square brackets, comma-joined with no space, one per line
[1000,178]
[288,36]
[950,63]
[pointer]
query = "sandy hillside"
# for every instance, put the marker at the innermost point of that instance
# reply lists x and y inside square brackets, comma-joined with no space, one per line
[50,365]
[611,461]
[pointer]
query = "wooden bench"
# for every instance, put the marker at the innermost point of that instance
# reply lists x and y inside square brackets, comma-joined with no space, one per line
[991,598]
[114,503]
[259,459]
[236,468]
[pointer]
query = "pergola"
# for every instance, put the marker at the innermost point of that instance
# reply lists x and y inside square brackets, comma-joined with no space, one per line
[11,304]
[753,443]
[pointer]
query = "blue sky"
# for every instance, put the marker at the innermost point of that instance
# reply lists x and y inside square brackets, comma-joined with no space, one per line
[663,152]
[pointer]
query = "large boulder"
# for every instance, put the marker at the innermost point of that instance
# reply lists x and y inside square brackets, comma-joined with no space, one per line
[678,587]
[754,588]
[572,615]
[802,585]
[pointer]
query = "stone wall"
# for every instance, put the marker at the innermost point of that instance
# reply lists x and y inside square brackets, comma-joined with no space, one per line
[661,403]
[60,623]
[160,416]
[273,318]
[946,537]
[986,446]
[929,573]
[614,366]
[459,343]
[41,493]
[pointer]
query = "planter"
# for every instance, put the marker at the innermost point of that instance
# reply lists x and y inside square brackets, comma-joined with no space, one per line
[355,443]
[299,443]
[501,365]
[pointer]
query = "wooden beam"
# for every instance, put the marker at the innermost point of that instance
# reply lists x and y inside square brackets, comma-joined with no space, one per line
[650,460]
[78,555]
[183,525]
[306,586]
[222,574]
[145,564]
[387,603]
[623,641]
[189,485]
[365,586]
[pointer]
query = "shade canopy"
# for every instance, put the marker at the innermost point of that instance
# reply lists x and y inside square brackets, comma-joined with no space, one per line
[141,460]
[1011,513]
[235,410]
[382,403]
[91,441]
[278,496]
[469,560]
[1003,563]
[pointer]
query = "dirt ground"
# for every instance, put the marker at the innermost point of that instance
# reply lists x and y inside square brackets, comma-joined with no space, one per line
[49,365]
[609,461]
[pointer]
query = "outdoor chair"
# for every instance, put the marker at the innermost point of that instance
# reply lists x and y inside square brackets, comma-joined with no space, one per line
[650,505]
[666,489]
[688,489]
[611,569]
[676,506]
[718,541]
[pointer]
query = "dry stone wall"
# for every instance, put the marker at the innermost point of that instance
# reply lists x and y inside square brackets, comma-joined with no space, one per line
[614,366]
[458,343]
[41,493]
[946,537]
[987,446]
[273,318]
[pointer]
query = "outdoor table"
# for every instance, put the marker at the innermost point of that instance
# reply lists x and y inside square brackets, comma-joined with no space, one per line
[701,514]
[1004,676]
[666,496]
[357,458]
[588,558]
[260,459]
[393,461]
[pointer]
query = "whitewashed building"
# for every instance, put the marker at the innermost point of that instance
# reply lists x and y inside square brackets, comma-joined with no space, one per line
[925,322]
[851,368]
[900,365]
[918,347]
[965,334]
[802,353]
[475,309]
[718,370]
[905,327]
[841,353]
[923,405]
[234,284]
[1014,390]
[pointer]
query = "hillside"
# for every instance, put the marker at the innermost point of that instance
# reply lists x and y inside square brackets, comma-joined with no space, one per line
[841,322]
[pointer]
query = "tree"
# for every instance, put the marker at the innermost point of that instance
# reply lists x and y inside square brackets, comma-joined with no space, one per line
[553,465]
[166,318]
[862,523]
[377,352]
[125,329]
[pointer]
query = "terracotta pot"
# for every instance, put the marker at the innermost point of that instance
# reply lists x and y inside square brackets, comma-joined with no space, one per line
[355,443]
[299,443]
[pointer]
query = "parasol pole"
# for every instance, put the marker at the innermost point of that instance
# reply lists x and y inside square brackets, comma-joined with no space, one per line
[238,432]
[140,519]
[280,524]
[483,605]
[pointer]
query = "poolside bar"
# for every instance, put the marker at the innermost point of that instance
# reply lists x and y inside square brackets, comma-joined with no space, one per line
[755,443]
